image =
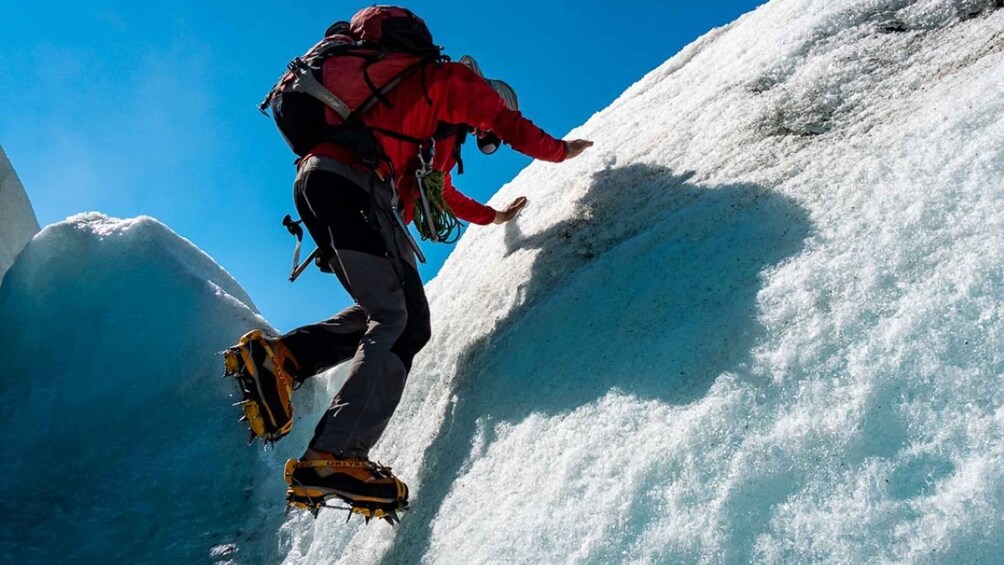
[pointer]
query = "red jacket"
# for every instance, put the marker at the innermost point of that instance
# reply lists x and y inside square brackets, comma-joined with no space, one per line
[456,95]
[463,206]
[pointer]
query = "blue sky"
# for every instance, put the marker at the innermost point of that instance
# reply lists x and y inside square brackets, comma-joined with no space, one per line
[133,108]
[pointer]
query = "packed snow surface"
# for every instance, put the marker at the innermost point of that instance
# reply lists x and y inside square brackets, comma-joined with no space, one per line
[119,441]
[17,219]
[761,320]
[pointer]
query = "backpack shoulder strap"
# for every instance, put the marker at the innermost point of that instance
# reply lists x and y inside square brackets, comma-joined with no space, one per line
[459,133]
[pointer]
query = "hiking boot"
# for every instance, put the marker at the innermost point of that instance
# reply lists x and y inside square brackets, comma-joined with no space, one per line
[264,369]
[371,490]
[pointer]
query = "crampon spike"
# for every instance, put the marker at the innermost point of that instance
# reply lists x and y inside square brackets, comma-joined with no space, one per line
[251,438]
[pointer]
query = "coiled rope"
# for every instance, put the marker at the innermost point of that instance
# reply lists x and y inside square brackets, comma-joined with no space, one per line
[444,226]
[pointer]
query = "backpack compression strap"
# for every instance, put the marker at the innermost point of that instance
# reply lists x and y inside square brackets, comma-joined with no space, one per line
[306,83]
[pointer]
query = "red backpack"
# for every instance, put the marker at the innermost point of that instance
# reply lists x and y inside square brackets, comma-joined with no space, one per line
[360,61]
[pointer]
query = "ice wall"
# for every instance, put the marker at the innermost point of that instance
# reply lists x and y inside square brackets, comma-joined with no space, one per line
[760,321]
[119,441]
[17,219]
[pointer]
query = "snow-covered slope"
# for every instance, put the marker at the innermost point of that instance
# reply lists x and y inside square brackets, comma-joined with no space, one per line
[17,219]
[760,321]
[119,441]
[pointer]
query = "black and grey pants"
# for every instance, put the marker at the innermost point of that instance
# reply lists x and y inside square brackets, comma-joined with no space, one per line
[348,215]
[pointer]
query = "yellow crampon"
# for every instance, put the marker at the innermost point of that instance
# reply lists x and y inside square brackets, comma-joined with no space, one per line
[312,498]
[267,394]
[368,513]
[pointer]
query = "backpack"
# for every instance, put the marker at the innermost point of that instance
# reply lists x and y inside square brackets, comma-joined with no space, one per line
[362,61]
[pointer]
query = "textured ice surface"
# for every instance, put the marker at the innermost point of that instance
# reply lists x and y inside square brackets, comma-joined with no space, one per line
[119,444]
[17,219]
[760,321]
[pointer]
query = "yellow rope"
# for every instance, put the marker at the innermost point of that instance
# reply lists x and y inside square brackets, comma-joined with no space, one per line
[446,225]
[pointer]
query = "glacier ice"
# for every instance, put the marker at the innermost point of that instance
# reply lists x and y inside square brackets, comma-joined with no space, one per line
[17,219]
[119,441]
[761,320]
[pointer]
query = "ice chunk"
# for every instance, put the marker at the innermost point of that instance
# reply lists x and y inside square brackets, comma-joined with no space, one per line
[17,219]
[120,442]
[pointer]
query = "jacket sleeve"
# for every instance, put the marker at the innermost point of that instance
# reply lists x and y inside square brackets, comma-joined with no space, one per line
[465,207]
[470,100]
